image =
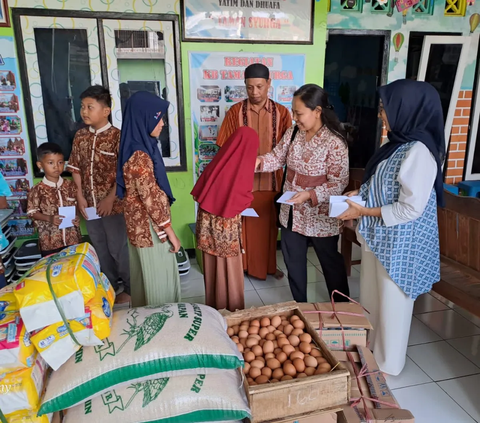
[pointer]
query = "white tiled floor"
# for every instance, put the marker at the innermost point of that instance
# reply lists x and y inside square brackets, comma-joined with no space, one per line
[441,380]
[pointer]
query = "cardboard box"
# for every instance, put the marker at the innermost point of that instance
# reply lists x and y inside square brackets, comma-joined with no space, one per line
[317,418]
[298,397]
[373,386]
[329,325]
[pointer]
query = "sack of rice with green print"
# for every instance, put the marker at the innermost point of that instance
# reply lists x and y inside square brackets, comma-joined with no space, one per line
[182,399]
[145,343]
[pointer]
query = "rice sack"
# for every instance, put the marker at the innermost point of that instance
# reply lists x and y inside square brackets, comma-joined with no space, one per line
[22,390]
[73,279]
[145,343]
[182,399]
[56,344]
[28,416]
[16,349]
[8,303]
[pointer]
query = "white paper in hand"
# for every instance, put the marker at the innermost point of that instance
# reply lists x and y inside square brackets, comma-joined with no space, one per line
[285,197]
[339,205]
[92,213]
[249,213]
[68,214]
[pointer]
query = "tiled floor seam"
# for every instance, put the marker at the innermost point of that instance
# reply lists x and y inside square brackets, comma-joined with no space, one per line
[468,414]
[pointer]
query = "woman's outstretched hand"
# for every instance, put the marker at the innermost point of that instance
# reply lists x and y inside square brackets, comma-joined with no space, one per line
[258,162]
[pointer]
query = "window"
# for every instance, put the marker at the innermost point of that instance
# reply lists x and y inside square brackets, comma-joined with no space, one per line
[352,5]
[425,7]
[75,49]
[455,7]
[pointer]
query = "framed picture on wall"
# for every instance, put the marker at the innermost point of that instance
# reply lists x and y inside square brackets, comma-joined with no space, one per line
[248,21]
[4,15]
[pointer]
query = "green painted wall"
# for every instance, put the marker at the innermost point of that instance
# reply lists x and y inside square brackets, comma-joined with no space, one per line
[183,211]
[142,69]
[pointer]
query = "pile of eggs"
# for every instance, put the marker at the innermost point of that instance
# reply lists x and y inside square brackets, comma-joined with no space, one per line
[277,349]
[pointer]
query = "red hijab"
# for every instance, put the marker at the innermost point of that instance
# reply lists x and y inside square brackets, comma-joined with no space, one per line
[225,186]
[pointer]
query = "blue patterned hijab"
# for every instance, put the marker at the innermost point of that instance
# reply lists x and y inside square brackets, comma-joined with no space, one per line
[142,113]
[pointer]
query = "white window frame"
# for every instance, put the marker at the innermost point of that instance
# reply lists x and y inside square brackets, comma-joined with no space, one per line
[430,40]
[472,138]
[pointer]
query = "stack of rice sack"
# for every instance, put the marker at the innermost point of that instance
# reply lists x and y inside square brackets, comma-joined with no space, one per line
[66,303]
[171,363]
[22,371]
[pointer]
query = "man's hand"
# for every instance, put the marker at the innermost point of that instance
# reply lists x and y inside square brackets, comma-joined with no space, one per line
[76,221]
[82,205]
[105,206]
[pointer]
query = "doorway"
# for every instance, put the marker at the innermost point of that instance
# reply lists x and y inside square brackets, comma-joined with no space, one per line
[356,64]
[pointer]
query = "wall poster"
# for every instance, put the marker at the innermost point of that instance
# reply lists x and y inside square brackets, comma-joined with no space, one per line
[288,21]
[217,83]
[15,160]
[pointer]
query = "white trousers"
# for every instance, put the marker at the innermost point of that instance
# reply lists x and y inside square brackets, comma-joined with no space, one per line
[390,314]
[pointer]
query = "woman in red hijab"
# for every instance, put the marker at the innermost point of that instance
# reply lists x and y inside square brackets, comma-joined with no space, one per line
[223,192]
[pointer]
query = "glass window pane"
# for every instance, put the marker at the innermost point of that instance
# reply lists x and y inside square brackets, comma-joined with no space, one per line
[141,67]
[64,67]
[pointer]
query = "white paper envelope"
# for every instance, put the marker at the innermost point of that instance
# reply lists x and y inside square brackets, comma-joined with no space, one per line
[92,213]
[249,213]
[339,205]
[285,197]
[68,214]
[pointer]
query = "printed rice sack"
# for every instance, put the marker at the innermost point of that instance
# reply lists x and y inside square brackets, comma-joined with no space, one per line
[22,390]
[182,399]
[28,416]
[16,349]
[145,343]
[55,342]
[8,303]
[74,280]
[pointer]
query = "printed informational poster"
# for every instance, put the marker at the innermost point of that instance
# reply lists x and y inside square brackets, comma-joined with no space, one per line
[15,160]
[249,20]
[217,83]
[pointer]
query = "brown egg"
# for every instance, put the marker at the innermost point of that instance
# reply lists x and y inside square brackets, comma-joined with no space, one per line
[288,330]
[251,342]
[288,349]
[282,357]
[240,347]
[255,336]
[275,344]
[278,374]
[244,328]
[235,339]
[310,361]
[322,369]
[297,354]
[305,337]
[261,379]
[294,340]
[280,328]
[250,380]
[281,336]
[268,347]
[293,318]
[255,323]
[277,350]
[273,363]
[267,371]
[271,337]
[235,329]
[269,356]
[286,377]
[253,330]
[258,364]
[315,352]
[274,380]
[249,356]
[310,371]
[276,321]
[243,341]
[298,324]
[261,359]
[246,368]
[288,362]
[254,372]
[265,322]
[258,350]
[277,332]
[253,384]
[262,342]
[243,334]
[245,322]
[271,328]
[321,360]
[301,375]
[285,322]
[299,365]
[297,332]
[305,348]
[230,332]
[282,342]
[289,370]
[263,332]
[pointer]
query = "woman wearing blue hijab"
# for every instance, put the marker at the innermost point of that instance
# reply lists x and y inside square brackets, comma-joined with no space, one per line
[398,228]
[142,182]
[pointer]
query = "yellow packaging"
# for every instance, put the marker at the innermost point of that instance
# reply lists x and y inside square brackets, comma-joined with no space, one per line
[54,342]
[16,350]
[28,416]
[22,390]
[8,304]
[74,280]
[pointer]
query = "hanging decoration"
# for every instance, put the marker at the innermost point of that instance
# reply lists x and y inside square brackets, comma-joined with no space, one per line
[404,5]
[398,40]
[474,21]
[404,14]
[471,2]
